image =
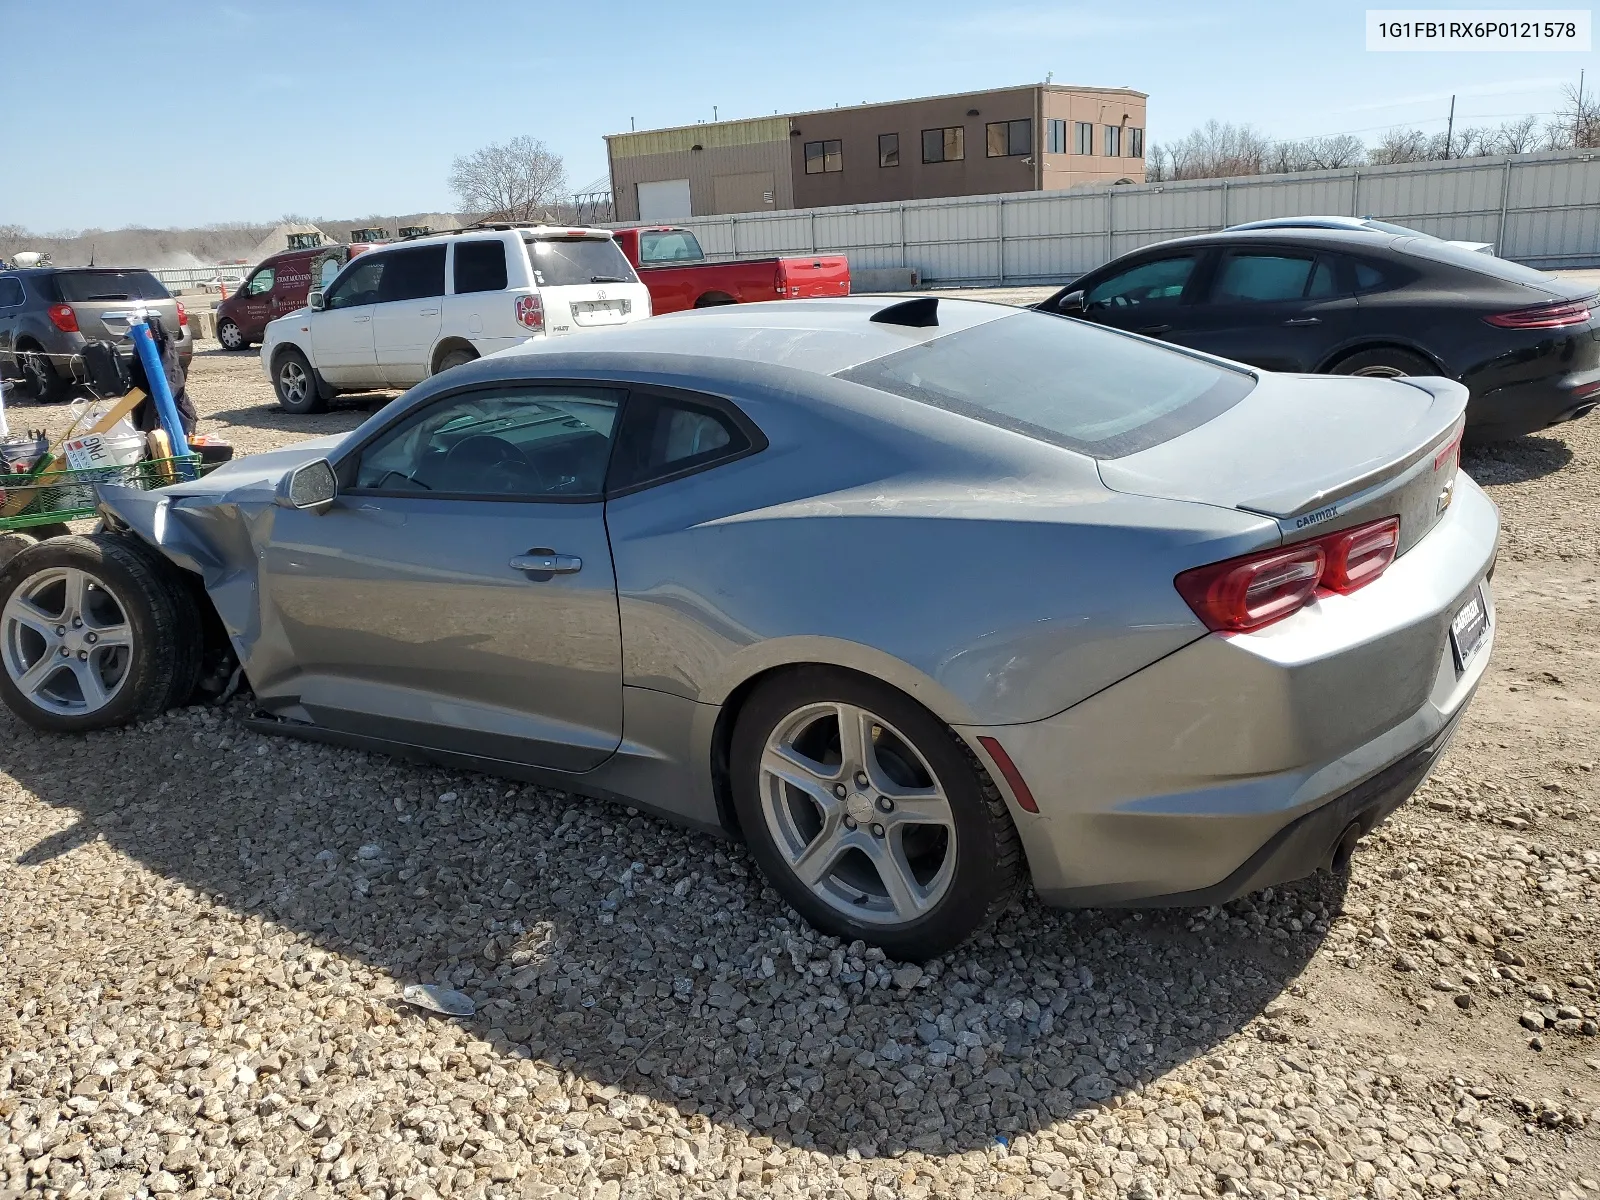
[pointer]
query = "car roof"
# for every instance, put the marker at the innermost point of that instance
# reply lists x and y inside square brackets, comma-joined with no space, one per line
[823,336]
[1350,239]
[1308,222]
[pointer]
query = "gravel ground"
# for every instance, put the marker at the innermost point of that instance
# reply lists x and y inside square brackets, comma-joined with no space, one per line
[204,933]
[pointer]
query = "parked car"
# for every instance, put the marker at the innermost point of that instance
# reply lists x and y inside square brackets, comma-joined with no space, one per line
[674,268]
[1526,344]
[1370,224]
[403,312]
[278,284]
[48,314]
[912,598]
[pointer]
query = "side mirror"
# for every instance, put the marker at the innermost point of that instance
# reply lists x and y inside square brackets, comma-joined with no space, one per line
[315,300]
[310,487]
[1072,302]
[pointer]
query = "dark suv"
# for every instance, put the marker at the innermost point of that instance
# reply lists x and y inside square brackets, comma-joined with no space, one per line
[48,313]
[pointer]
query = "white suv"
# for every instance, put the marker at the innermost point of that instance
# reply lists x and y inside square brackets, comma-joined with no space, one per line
[397,314]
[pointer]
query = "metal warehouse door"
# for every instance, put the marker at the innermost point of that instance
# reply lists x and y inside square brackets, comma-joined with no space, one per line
[667,200]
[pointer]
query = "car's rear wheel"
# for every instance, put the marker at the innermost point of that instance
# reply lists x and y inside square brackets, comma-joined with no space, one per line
[295,384]
[95,631]
[457,358]
[48,385]
[231,336]
[1384,363]
[869,815]
[714,300]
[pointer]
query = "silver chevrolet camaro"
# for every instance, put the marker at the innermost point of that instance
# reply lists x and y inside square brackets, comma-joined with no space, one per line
[916,598]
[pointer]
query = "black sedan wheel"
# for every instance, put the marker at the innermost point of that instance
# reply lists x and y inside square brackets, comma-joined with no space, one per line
[869,815]
[95,631]
[1384,363]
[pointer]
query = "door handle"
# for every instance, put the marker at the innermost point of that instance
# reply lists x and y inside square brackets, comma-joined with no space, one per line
[428,312]
[362,320]
[1148,329]
[547,562]
[1292,321]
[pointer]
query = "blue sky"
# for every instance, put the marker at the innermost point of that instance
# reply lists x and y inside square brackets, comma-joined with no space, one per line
[185,114]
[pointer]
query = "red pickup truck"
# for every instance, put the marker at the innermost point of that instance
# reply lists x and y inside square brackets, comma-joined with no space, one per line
[672,265]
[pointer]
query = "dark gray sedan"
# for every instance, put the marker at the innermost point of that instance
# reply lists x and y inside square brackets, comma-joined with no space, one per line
[916,599]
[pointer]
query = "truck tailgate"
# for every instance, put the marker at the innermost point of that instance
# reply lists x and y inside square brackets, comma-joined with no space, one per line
[819,275]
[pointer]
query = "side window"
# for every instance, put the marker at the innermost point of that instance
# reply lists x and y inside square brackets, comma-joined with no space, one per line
[358,284]
[662,438]
[413,274]
[514,443]
[1258,278]
[1324,281]
[10,293]
[261,282]
[1368,277]
[1149,285]
[480,266]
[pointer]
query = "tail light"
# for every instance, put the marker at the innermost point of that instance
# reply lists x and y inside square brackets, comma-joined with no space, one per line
[530,313]
[1242,594]
[183,313]
[779,280]
[63,317]
[1545,316]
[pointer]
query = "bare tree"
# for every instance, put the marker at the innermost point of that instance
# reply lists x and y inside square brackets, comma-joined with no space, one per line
[1335,151]
[1518,137]
[1408,145]
[1157,164]
[1576,125]
[517,180]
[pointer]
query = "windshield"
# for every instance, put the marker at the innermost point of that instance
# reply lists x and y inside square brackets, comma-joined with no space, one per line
[1062,381]
[82,287]
[669,245]
[561,262]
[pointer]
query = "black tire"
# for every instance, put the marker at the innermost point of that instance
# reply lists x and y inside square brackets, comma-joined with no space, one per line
[1384,362]
[162,666]
[457,358]
[231,336]
[54,529]
[988,863]
[48,385]
[296,383]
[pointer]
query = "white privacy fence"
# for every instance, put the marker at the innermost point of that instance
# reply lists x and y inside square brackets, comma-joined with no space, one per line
[1541,209]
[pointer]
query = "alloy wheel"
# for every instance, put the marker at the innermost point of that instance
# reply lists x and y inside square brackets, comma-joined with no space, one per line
[1378,371]
[857,813]
[66,641]
[294,382]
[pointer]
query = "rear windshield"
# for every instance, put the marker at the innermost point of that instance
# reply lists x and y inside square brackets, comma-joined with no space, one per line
[1062,381]
[560,262]
[669,245]
[83,287]
[1484,264]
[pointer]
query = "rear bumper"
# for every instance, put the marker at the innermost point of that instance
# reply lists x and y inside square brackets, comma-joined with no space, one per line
[1239,762]
[1528,406]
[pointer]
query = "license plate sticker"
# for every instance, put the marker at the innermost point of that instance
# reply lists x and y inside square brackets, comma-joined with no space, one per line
[1468,630]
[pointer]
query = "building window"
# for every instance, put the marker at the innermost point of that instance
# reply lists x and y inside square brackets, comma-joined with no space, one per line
[1055,135]
[1135,142]
[1113,141]
[1083,138]
[944,145]
[1004,138]
[888,149]
[824,156]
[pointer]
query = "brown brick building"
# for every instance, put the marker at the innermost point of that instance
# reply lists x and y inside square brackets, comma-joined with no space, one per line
[1033,138]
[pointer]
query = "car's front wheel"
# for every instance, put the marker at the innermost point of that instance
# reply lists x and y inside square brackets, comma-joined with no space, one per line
[231,336]
[95,631]
[295,383]
[869,815]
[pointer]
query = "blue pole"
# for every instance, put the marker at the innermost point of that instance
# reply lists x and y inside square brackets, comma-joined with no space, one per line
[145,346]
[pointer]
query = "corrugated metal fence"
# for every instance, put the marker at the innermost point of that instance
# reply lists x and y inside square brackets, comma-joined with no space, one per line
[1541,209]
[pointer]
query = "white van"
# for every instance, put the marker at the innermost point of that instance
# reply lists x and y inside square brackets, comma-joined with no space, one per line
[400,313]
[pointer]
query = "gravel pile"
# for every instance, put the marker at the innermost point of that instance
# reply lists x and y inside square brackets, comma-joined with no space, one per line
[204,935]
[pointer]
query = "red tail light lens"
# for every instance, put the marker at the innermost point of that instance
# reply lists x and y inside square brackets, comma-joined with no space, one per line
[530,313]
[183,313]
[1358,556]
[63,317]
[1544,316]
[1242,594]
